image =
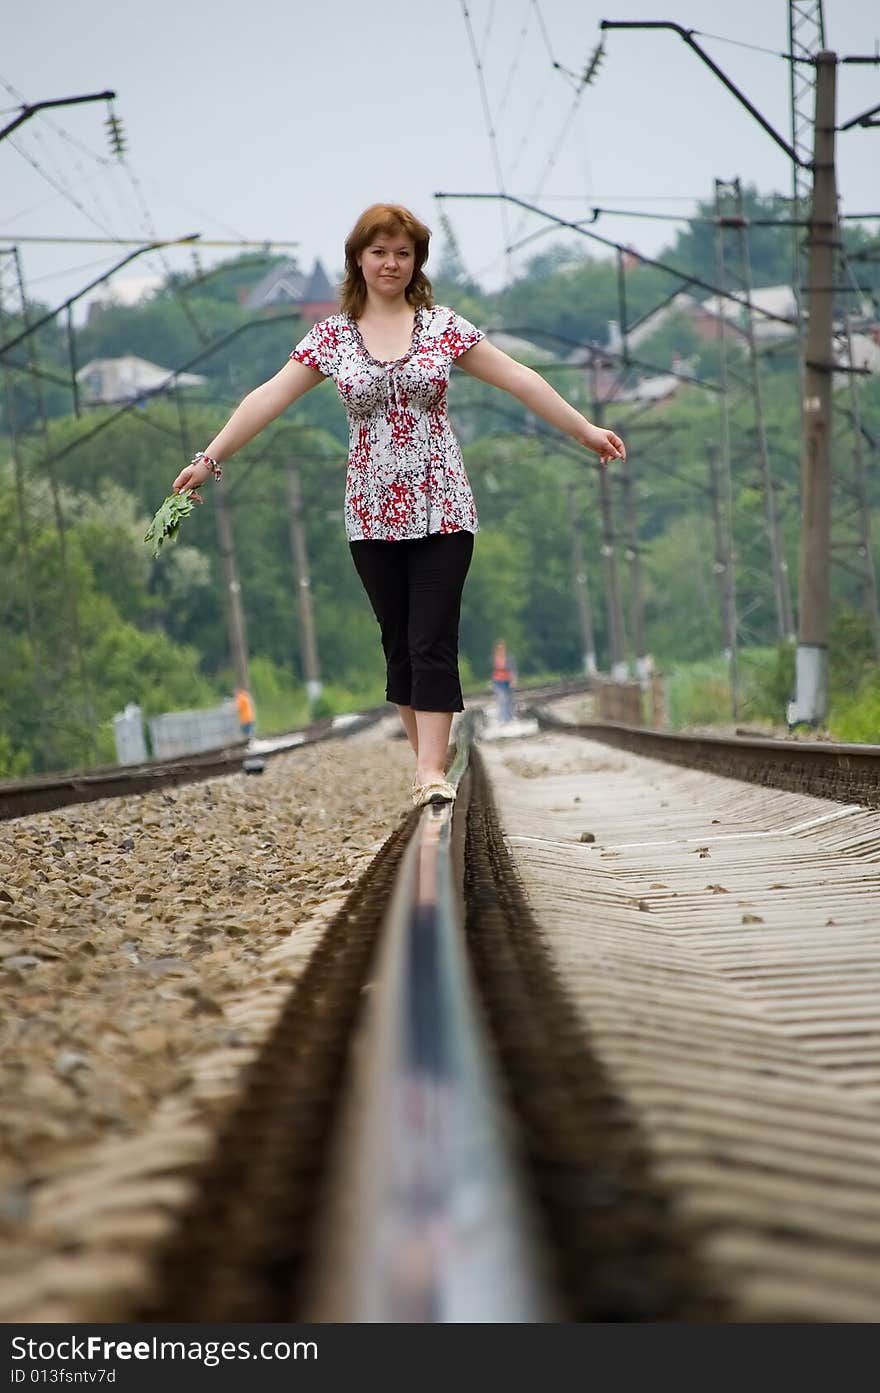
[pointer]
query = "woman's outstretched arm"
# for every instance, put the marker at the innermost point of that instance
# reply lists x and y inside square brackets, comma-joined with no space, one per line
[252,415]
[487,363]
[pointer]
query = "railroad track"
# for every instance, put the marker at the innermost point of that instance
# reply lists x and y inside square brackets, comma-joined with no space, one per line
[434,1134]
[431,1135]
[387,1163]
[848,773]
[45,792]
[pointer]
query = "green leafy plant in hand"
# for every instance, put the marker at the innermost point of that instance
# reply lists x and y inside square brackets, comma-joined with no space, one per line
[166,523]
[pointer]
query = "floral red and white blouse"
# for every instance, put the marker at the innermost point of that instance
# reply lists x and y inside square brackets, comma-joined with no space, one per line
[406,477]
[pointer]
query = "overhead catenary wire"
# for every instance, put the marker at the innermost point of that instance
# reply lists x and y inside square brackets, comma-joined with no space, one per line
[487,112]
[58,178]
[619,246]
[514,65]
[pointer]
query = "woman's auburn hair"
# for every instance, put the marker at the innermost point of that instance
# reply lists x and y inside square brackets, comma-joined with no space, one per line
[387,219]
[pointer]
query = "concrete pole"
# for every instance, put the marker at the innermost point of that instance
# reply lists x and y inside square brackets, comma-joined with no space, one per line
[778,563]
[810,704]
[633,557]
[307,644]
[581,588]
[724,571]
[619,664]
[235,623]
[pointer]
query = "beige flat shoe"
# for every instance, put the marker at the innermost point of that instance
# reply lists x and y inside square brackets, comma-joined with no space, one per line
[437,792]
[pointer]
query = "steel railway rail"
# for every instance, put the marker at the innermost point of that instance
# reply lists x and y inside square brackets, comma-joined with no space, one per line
[45,792]
[388,1163]
[847,773]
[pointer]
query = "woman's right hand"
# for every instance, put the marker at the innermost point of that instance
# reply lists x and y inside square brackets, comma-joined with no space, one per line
[192,478]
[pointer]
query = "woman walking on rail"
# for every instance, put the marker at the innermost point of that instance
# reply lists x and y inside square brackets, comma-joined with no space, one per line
[409,511]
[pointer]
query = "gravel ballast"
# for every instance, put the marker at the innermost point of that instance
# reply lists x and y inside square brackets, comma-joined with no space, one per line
[146,944]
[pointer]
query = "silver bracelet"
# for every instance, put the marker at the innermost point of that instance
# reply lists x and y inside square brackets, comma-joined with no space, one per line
[201,458]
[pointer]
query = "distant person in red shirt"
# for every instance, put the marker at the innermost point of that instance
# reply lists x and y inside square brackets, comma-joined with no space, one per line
[503,680]
[246,713]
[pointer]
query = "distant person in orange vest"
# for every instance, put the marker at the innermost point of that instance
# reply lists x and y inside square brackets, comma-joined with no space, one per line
[503,680]
[246,713]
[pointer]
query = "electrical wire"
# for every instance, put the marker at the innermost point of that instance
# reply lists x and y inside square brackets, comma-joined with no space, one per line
[488,29]
[740,43]
[514,66]
[543,28]
[531,124]
[59,188]
[487,113]
[47,170]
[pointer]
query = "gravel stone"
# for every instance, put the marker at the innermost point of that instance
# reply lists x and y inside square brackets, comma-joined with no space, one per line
[147,945]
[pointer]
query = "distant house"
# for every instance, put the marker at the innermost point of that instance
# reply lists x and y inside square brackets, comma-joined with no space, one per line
[312,294]
[114,381]
[777,301]
[523,350]
[865,352]
[704,316]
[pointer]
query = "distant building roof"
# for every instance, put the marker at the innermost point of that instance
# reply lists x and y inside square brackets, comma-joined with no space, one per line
[106,381]
[521,349]
[776,300]
[865,356]
[318,288]
[288,285]
[653,389]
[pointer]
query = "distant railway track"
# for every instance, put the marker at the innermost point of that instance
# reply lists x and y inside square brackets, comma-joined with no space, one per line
[46,792]
[847,773]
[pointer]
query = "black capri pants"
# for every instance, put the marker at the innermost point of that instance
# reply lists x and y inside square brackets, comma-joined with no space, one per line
[415,590]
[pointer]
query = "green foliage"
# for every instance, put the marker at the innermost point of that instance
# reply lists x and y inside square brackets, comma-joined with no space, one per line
[280,701]
[852,657]
[564,299]
[169,515]
[698,693]
[770,248]
[854,680]
[856,717]
[14,764]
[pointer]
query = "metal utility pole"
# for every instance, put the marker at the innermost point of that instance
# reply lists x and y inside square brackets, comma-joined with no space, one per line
[235,622]
[778,563]
[619,666]
[633,557]
[724,571]
[810,702]
[581,588]
[307,644]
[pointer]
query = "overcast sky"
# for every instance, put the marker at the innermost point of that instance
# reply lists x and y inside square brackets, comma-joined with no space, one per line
[280,121]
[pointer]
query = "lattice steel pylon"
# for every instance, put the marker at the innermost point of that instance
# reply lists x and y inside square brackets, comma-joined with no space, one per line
[806,38]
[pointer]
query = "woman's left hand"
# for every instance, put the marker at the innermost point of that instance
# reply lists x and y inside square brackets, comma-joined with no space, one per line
[607,445]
